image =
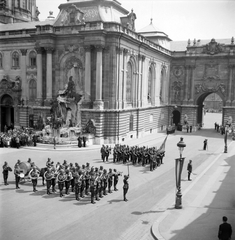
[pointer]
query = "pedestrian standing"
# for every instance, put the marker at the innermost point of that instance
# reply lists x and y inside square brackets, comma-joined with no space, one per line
[205,144]
[225,230]
[5,172]
[54,142]
[191,128]
[189,169]
[125,187]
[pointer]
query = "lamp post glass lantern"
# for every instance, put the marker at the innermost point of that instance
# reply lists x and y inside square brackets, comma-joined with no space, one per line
[179,162]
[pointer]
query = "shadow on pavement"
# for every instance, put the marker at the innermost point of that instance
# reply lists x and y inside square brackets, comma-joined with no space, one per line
[207,224]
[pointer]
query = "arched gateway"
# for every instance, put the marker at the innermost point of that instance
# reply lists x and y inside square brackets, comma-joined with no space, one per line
[199,71]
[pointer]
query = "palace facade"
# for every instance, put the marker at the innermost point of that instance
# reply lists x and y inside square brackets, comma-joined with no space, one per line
[131,83]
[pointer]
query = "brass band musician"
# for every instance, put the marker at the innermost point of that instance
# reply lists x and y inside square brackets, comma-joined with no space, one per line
[61,179]
[34,174]
[17,175]
[48,176]
[5,171]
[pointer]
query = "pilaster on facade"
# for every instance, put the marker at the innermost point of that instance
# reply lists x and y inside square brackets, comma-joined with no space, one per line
[186,88]
[87,73]
[125,55]
[49,51]
[99,104]
[23,74]
[39,76]
[192,75]
[139,81]
[230,87]
[119,82]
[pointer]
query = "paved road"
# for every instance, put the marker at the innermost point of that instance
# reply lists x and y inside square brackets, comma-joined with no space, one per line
[25,214]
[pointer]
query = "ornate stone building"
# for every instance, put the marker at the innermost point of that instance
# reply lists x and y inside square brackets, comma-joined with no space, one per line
[13,11]
[198,69]
[120,79]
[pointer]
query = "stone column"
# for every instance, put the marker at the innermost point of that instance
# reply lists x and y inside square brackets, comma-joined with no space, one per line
[119,84]
[88,74]
[230,89]
[125,53]
[49,51]
[99,104]
[25,87]
[39,74]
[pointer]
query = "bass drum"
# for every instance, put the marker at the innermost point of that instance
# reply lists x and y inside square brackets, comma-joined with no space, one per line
[25,168]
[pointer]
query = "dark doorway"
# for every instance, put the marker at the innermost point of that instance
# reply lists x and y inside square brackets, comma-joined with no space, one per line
[176,117]
[7,112]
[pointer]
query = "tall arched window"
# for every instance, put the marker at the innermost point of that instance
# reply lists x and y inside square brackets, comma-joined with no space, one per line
[162,88]
[32,89]
[129,78]
[150,86]
[32,59]
[15,60]
[1,60]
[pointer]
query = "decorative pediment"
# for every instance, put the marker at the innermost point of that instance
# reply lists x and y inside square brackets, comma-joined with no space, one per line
[213,47]
[73,16]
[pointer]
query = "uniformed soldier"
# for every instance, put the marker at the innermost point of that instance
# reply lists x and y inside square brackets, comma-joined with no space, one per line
[17,174]
[48,176]
[34,174]
[67,180]
[6,170]
[61,179]
[115,179]
[110,180]
[125,187]
[92,188]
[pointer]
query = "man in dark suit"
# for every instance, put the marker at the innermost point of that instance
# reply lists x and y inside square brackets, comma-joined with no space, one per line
[225,230]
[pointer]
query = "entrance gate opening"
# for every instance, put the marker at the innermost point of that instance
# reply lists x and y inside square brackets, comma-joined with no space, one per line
[7,112]
[209,103]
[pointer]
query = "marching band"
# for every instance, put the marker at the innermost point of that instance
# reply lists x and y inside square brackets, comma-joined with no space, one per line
[85,180]
[82,180]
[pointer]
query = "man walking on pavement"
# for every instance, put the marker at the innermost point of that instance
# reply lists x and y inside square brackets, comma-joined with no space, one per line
[225,230]
[189,169]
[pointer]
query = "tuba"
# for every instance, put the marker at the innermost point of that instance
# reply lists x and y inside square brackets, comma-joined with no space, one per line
[61,177]
[34,174]
[48,175]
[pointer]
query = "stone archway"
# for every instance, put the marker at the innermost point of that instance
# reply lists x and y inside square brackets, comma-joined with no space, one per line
[200,105]
[7,111]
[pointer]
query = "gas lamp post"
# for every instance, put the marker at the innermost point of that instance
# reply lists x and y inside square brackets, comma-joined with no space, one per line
[179,162]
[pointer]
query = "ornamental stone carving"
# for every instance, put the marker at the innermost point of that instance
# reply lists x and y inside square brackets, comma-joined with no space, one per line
[8,84]
[177,85]
[73,16]
[178,71]
[213,47]
[200,88]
